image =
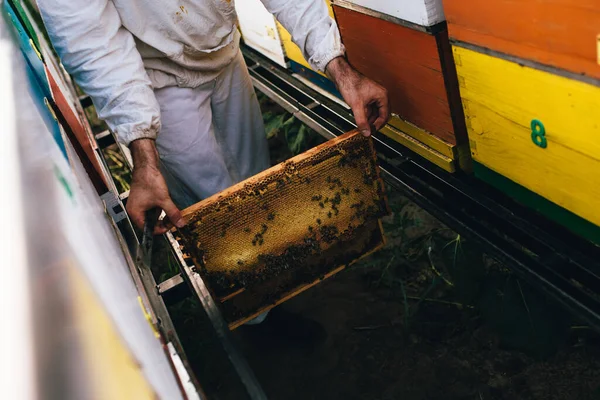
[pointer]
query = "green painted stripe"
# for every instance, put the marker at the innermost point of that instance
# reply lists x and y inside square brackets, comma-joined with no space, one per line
[18,7]
[533,200]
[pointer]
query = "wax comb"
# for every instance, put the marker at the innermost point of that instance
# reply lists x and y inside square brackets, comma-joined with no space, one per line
[274,235]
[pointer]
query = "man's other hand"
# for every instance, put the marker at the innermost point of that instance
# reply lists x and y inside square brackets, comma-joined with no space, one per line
[149,189]
[368,100]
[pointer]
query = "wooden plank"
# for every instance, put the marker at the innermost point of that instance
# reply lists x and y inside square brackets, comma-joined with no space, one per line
[502,98]
[559,33]
[445,155]
[24,18]
[259,30]
[77,134]
[406,62]
[452,91]
[420,12]
[422,136]
[68,111]
[424,151]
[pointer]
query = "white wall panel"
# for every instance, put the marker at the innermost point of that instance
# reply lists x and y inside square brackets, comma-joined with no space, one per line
[421,12]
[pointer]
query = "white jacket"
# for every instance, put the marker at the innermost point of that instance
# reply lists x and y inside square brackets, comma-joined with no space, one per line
[119,50]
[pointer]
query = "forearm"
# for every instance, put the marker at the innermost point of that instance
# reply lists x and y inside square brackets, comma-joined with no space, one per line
[339,69]
[144,154]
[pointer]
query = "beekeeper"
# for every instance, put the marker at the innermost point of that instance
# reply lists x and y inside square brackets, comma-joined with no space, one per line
[169,79]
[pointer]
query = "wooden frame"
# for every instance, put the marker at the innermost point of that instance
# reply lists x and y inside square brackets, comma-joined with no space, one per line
[282,231]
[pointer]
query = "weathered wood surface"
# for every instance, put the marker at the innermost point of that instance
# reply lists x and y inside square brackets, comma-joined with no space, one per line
[408,63]
[502,98]
[259,30]
[420,12]
[559,33]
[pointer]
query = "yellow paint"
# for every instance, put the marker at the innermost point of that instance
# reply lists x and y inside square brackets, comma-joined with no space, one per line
[112,372]
[598,49]
[445,155]
[35,49]
[49,107]
[413,144]
[500,99]
[148,317]
[422,136]
[291,50]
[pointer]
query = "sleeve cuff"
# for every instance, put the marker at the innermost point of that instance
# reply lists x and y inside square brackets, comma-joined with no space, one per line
[330,47]
[127,136]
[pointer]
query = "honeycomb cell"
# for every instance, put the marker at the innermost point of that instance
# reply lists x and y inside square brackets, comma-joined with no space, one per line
[270,237]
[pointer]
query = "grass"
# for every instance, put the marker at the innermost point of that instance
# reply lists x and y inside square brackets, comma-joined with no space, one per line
[118,167]
[287,136]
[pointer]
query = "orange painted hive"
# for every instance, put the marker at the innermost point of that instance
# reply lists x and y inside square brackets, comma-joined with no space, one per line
[414,63]
[559,33]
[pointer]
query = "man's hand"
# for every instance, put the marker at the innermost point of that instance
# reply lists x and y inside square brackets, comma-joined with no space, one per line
[149,189]
[368,100]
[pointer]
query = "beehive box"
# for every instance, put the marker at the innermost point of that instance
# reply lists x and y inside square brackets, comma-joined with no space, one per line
[282,231]
[420,12]
[415,64]
[529,84]
[559,33]
[537,129]
[259,30]
[61,103]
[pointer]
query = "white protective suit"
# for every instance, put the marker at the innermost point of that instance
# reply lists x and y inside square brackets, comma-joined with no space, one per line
[138,59]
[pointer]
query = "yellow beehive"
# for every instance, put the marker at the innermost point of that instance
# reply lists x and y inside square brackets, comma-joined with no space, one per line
[536,128]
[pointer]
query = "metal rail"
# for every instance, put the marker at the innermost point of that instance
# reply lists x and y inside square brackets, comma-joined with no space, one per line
[546,254]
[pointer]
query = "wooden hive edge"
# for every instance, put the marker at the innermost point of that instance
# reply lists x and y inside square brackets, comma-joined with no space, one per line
[442,161]
[527,62]
[427,138]
[190,211]
[429,29]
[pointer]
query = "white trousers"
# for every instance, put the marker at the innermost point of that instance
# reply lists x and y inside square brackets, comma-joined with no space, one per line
[211,137]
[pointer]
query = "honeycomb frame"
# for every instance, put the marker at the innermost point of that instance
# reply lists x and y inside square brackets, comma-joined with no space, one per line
[274,235]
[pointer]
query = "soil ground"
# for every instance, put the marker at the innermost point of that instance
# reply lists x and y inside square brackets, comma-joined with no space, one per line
[500,340]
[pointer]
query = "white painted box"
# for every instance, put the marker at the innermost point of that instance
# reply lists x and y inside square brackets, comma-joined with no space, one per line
[259,29]
[420,12]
